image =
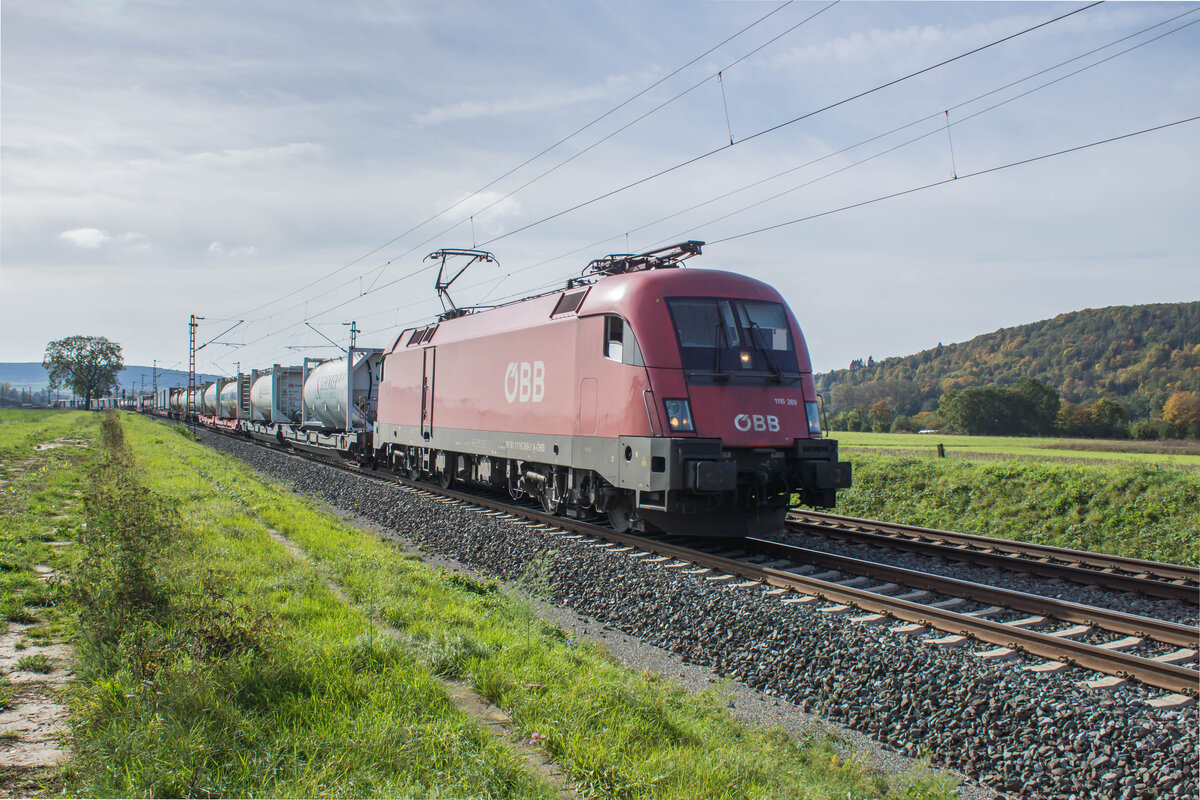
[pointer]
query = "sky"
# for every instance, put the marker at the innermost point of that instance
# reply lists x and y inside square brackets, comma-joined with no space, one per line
[290,164]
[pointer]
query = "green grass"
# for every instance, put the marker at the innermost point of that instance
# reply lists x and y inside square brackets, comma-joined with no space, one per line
[1176,454]
[328,703]
[43,503]
[35,663]
[213,663]
[1126,509]
[6,692]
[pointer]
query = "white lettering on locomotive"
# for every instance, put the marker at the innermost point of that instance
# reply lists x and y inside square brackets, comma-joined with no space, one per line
[759,422]
[525,382]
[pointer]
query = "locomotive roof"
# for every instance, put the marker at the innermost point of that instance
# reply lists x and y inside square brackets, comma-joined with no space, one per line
[625,294]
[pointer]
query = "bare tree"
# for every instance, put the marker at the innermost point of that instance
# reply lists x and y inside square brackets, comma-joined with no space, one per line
[88,365]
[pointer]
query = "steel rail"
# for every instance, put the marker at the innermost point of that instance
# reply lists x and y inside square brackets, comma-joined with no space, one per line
[1002,553]
[1134,566]
[1171,677]
[1115,621]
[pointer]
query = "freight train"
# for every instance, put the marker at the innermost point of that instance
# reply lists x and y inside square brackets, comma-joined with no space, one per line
[665,399]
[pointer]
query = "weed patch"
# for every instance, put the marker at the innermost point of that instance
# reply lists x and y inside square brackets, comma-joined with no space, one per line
[35,663]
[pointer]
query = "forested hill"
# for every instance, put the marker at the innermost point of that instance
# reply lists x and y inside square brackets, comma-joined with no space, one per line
[1135,355]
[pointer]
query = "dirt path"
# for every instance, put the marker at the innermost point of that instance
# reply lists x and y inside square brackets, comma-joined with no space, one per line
[31,726]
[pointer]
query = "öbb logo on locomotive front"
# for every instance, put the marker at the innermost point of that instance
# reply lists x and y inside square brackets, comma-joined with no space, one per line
[744,422]
[525,382]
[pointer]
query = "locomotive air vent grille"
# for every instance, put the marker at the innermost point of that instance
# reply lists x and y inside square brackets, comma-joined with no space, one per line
[416,337]
[429,333]
[568,303]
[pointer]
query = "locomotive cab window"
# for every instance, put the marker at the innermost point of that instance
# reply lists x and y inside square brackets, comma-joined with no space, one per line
[614,338]
[619,342]
[727,337]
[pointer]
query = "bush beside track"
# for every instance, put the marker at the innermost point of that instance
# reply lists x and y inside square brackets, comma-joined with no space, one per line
[213,663]
[1138,511]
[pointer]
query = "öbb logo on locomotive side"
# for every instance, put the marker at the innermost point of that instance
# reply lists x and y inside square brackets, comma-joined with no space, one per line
[759,422]
[525,382]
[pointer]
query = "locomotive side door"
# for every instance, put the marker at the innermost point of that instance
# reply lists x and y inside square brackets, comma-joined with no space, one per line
[427,377]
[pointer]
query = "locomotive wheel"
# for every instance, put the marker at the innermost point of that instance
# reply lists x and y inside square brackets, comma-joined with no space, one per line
[447,478]
[550,505]
[619,517]
[552,495]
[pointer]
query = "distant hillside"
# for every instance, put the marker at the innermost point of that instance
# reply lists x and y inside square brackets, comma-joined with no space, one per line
[31,375]
[1135,355]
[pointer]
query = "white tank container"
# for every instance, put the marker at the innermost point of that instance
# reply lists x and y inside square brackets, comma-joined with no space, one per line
[227,401]
[326,396]
[210,399]
[329,391]
[262,398]
[278,390]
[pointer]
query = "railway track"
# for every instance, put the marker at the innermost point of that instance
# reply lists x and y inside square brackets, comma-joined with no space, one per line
[1118,573]
[791,573]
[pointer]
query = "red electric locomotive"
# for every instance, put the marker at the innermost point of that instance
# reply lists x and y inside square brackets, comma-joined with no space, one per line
[668,399]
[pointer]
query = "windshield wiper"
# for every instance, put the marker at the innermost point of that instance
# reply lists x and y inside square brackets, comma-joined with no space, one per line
[755,332]
[718,375]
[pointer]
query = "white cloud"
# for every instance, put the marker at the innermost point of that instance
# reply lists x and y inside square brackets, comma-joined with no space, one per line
[241,157]
[135,241]
[471,109]
[220,249]
[86,238]
[95,238]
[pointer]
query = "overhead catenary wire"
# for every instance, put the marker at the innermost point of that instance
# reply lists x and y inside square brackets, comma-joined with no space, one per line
[893,195]
[528,161]
[739,142]
[619,130]
[944,181]
[922,136]
[784,124]
[379,270]
[811,162]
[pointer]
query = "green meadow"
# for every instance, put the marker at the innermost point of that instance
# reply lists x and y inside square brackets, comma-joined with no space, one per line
[1181,453]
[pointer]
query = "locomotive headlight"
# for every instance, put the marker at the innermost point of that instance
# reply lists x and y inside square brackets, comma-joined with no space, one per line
[679,415]
[745,360]
[814,418]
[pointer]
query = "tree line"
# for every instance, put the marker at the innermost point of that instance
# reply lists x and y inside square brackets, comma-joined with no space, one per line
[1028,408]
[1136,356]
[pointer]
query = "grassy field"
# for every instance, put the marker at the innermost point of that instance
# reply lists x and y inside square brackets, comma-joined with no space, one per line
[1136,510]
[212,662]
[1173,453]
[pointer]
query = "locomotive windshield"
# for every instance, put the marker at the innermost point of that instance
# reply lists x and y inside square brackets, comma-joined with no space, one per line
[733,337]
